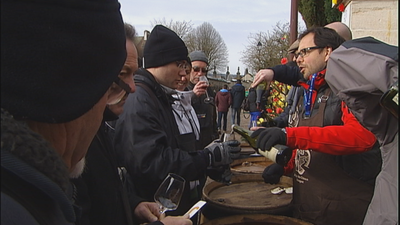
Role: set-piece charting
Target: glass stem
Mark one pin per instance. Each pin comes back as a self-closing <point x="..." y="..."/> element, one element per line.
<point x="162" y="209"/>
<point x="207" y="95"/>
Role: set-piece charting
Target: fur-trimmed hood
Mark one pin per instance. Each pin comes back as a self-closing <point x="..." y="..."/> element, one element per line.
<point x="30" y="147"/>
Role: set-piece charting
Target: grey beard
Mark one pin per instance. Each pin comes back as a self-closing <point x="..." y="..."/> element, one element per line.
<point x="78" y="169"/>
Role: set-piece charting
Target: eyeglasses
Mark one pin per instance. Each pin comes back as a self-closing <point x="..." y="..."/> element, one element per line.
<point x="118" y="90"/>
<point x="303" y="52"/>
<point x="183" y="65"/>
<point x="197" y="69"/>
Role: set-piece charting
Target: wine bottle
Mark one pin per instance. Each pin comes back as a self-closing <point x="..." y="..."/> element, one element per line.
<point x="390" y="100"/>
<point x="279" y="154"/>
<point x="246" y="134"/>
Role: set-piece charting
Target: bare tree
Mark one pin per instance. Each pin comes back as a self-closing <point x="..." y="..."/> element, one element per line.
<point x="266" y="49"/>
<point x="204" y="38"/>
<point x="181" y="28"/>
<point x="208" y="40"/>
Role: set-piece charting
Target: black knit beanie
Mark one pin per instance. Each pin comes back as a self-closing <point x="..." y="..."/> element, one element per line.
<point x="162" y="47"/>
<point x="58" y="57"/>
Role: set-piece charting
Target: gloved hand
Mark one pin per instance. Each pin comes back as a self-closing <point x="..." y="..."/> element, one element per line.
<point x="268" y="137"/>
<point x="220" y="174"/>
<point x="273" y="173"/>
<point x="221" y="153"/>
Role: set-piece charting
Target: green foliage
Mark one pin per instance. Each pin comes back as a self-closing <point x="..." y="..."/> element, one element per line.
<point x="318" y="12"/>
<point x="332" y="14"/>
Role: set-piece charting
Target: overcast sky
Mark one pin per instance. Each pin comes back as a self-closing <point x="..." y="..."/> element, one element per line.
<point x="234" y="20"/>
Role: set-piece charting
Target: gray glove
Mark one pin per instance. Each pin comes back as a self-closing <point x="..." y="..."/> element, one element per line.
<point x="221" y="153"/>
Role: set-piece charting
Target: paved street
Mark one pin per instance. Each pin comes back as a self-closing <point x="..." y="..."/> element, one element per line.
<point x="244" y="120"/>
<point x="244" y="123"/>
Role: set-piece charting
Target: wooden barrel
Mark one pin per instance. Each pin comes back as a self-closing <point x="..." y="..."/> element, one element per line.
<point x="256" y="219"/>
<point x="250" y="165"/>
<point x="248" y="194"/>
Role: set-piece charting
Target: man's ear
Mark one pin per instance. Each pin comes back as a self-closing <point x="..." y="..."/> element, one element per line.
<point x="328" y="52"/>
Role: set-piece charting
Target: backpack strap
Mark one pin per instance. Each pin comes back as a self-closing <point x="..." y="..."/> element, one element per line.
<point x="148" y="90"/>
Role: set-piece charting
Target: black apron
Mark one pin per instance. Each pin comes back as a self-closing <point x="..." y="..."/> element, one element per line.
<point x="323" y="192"/>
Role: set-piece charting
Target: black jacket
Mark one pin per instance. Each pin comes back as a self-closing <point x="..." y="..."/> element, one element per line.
<point x="207" y="115"/>
<point x="252" y="100"/>
<point x="238" y="94"/>
<point x="100" y="192"/>
<point x="148" y="141"/>
<point x="287" y="74"/>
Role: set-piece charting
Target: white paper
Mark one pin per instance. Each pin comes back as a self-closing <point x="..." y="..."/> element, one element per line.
<point x="192" y="211"/>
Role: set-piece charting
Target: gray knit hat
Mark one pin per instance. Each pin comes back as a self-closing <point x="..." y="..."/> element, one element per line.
<point x="198" y="56"/>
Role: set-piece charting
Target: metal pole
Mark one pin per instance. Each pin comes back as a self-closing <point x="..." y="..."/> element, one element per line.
<point x="293" y="23"/>
<point x="259" y="45"/>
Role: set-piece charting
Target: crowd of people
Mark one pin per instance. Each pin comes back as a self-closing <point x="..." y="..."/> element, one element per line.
<point x="88" y="133"/>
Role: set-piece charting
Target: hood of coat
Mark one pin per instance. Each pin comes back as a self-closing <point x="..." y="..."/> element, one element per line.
<point x="237" y="87"/>
<point x="359" y="72"/>
<point x="224" y="93"/>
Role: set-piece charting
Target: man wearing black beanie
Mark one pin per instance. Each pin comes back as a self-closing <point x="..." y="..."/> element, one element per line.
<point x="58" y="61"/>
<point x="147" y="137"/>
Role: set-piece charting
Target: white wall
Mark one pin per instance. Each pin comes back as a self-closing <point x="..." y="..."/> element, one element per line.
<point x="376" y="18"/>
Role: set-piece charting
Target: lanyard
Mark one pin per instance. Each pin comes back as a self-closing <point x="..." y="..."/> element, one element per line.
<point x="308" y="97"/>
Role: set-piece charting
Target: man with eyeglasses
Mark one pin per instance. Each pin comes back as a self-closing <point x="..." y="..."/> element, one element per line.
<point x="289" y="74"/>
<point x="147" y="136"/>
<point x="206" y="111"/>
<point x="104" y="190"/>
<point x="333" y="168"/>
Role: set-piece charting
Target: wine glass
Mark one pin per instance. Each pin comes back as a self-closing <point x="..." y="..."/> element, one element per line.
<point x="169" y="193"/>
<point x="208" y="99"/>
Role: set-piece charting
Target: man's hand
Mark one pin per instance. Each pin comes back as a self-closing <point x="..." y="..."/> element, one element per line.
<point x="272" y="174"/>
<point x="261" y="76"/>
<point x="177" y="220"/>
<point x="221" y="153"/>
<point x="147" y="212"/>
<point x="268" y="137"/>
<point x="200" y="88"/>
<point x="222" y="174"/>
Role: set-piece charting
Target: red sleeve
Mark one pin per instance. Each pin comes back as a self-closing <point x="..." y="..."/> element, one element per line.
<point x="349" y="138"/>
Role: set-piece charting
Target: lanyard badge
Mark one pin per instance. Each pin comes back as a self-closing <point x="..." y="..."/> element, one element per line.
<point x="308" y="97"/>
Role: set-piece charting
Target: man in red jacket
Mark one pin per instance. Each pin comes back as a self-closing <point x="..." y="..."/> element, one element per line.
<point x="330" y="168"/>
